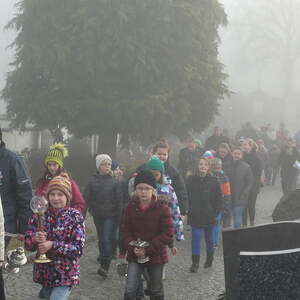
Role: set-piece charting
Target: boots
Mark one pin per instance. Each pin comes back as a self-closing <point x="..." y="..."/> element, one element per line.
<point x="195" y="263"/>
<point x="209" y="259"/>
<point x="103" y="269"/>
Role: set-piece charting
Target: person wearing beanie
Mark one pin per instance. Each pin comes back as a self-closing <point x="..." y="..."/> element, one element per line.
<point x="162" y="151"/>
<point x="205" y="198"/>
<point x="62" y="241"/>
<point x="209" y="154"/>
<point x="166" y="193"/>
<point x="54" y="166"/>
<point x="104" y="196"/>
<point x="15" y="193"/>
<point x="149" y="220"/>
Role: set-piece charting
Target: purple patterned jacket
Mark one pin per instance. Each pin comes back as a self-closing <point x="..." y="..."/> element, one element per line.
<point x="65" y="228"/>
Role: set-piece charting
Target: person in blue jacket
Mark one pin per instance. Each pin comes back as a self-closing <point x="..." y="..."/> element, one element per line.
<point x="15" y="195"/>
<point x="15" y="190"/>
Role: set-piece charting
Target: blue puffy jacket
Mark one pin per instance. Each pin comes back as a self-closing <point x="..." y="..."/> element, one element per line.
<point x="15" y="190"/>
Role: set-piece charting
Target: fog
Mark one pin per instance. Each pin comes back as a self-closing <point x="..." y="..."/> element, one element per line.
<point x="260" y="49"/>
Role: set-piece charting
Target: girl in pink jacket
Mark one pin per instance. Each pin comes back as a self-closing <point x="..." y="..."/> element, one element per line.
<point x="54" y="167"/>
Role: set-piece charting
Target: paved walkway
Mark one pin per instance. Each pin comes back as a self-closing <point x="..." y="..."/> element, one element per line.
<point x="179" y="285"/>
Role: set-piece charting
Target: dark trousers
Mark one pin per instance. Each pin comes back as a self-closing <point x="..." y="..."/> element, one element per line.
<point x="275" y="172"/>
<point x="153" y="276"/>
<point x="289" y="182"/>
<point x="268" y="174"/>
<point x="2" y="289"/>
<point x="106" y="228"/>
<point x="250" y="209"/>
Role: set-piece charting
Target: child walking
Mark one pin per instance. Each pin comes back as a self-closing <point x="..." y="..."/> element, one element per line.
<point x="205" y="198"/>
<point x="62" y="240"/>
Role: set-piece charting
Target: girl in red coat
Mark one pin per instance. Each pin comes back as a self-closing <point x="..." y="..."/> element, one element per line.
<point x="149" y="220"/>
<point x="54" y="167"/>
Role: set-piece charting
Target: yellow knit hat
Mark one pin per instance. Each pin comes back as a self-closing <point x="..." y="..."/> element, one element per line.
<point x="57" y="153"/>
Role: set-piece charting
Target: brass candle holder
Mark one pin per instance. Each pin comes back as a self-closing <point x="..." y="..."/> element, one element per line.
<point x="39" y="205"/>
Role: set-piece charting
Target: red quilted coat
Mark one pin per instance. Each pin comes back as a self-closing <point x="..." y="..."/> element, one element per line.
<point x="153" y="225"/>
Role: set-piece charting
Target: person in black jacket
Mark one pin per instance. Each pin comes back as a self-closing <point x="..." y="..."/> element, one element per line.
<point x="15" y="189"/>
<point x="289" y="174"/>
<point x="162" y="151"/>
<point x="213" y="141"/>
<point x="188" y="157"/>
<point x="104" y="198"/>
<point x="241" y="181"/>
<point x="16" y="193"/>
<point x="205" y="204"/>
<point x="251" y="158"/>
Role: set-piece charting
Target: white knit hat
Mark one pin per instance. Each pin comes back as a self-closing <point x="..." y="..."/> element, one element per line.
<point x="100" y="158"/>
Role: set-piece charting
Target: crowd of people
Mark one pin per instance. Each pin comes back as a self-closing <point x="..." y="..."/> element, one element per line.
<point x="215" y="186"/>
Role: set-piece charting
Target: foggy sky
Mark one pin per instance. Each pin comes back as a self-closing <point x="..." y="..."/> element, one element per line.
<point x="244" y="76"/>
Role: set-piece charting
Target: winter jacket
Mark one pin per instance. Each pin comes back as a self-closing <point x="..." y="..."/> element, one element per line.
<point x="213" y="142"/>
<point x="241" y="181"/>
<point x="205" y="200"/>
<point x="274" y="154"/>
<point x="288" y="208"/>
<point x="166" y="193"/>
<point x="264" y="158"/>
<point x="286" y="162"/>
<point x="177" y="183"/>
<point x="2" y="243"/>
<point x="15" y="190"/>
<point x="77" y="201"/>
<point x="187" y="160"/>
<point x="256" y="166"/>
<point x="65" y="228"/>
<point x="153" y="225"/>
<point x="226" y="159"/>
<point x="225" y="188"/>
<point x="104" y="196"/>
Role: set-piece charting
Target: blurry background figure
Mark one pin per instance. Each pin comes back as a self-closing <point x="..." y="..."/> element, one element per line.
<point x="282" y="135"/>
<point x="224" y="152"/>
<point x="188" y="157"/>
<point x="289" y="155"/>
<point x="251" y="158"/>
<point x="273" y="164"/>
<point x="213" y="141"/>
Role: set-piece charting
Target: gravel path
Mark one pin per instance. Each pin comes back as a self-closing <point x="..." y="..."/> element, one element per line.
<point x="179" y="284"/>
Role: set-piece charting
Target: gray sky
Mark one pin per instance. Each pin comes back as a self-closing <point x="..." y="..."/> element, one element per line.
<point x="244" y="76"/>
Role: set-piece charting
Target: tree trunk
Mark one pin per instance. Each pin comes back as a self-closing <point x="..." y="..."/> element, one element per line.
<point x="108" y="144"/>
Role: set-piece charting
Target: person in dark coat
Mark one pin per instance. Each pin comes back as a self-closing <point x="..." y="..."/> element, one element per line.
<point x="104" y="197"/>
<point x="162" y="151"/>
<point x="188" y="157"/>
<point x="241" y="181"/>
<point x="274" y="154"/>
<point x="213" y="141"/>
<point x="289" y="174"/>
<point x="15" y="189"/>
<point x="251" y="158"/>
<point x="15" y="195"/>
<point x="149" y="220"/>
<point x="205" y="204"/>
